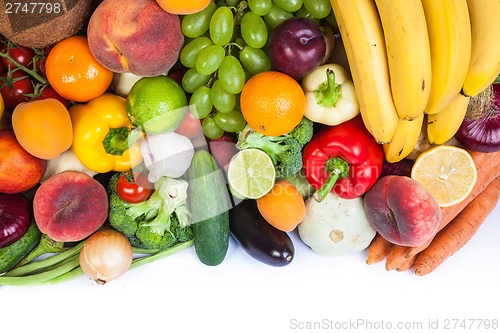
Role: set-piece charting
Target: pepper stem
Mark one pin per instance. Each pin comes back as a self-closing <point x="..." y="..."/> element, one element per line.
<point x="118" y="140"/>
<point x="329" y="92"/>
<point x="337" y="168"/>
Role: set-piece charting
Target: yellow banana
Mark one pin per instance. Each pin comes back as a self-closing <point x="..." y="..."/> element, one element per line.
<point x="404" y="140"/>
<point x="485" y="54"/>
<point x="449" y="30"/>
<point x="363" y="39"/>
<point x="442" y="126"/>
<point x="409" y="55"/>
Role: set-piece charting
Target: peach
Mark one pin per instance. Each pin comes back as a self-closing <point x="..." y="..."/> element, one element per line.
<point x="70" y="206"/>
<point x="402" y="211"/>
<point x="135" y="36"/>
<point x="19" y="170"/>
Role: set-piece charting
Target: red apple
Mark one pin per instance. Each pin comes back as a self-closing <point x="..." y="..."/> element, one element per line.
<point x="19" y="170"/>
<point x="402" y="211"/>
<point x="223" y="149"/>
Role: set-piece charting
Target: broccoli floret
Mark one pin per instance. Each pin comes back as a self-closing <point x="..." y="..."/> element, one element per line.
<point x="157" y="223"/>
<point x="303" y="132"/>
<point x="285" y="150"/>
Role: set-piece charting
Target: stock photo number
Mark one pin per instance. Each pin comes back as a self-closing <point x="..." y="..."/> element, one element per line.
<point x="33" y="7"/>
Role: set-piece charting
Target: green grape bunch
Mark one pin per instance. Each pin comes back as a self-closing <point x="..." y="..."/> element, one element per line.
<point x="225" y="45"/>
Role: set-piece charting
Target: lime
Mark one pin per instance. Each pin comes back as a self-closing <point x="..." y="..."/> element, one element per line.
<point x="157" y="104"/>
<point x="447" y="172"/>
<point x="251" y="173"/>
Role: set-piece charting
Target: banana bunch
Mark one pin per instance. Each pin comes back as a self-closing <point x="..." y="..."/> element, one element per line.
<point x="416" y="63"/>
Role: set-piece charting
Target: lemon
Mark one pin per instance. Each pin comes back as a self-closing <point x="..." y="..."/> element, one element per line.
<point x="157" y="104"/>
<point x="447" y="172"/>
<point x="251" y="173"/>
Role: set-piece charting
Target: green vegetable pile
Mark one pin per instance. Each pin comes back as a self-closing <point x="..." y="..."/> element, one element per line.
<point x="157" y="223"/>
<point x="285" y="150"/>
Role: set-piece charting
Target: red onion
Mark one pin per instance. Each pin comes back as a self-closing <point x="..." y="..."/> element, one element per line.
<point x="400" y="168"/>
<point x="15" y="217"/>
<point x="480" y="129"/>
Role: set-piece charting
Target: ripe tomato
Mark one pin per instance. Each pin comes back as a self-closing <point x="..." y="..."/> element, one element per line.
<point x="49" y="92"/>
<point x="21" y="54"/>
<point x="14" y="88"/>
<point x="41" y="58"/>
<point x="136" y="190"/>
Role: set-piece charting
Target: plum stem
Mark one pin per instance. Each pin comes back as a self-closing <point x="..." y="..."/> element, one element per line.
<point x="336" y="168"/>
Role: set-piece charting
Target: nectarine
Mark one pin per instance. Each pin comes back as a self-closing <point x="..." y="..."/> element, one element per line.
<point x="19" y="170"/>
<point x="135" y="36"/>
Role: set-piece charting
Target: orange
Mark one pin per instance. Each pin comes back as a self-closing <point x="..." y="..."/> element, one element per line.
<point x="283" y="207"/>
<point x="183" y="7"/>
<point x="272" y="103"/>
<point x="73" y="71"/>
<point x="43" y="127"/>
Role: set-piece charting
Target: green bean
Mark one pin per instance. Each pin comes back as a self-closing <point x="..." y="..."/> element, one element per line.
<point x="161" y="254"/>
<point x="38" y="278"/>
<point x="44" y="264"/>
<point x="72" y="274"/>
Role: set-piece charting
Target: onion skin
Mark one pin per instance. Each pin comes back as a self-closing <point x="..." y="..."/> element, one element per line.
<point x="106" y="255"/>
<point x="480" y="129"/>
<point x="15" y="217"/>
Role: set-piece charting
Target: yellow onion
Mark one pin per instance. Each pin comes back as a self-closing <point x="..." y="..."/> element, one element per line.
<point x="106" y="255"/>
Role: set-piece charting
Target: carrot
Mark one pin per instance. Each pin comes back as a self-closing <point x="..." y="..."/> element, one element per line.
<point x="396" y="257"/>
<point x="488" y="168"/>
<point x="459" y="231"/>
<point x="378" y="250"/>
<point x="406" y="264"/>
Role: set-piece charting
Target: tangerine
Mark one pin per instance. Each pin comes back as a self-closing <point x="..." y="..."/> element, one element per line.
<point x="73" y="71"/>
<point x="283" y="207"/>
<point x="272" y="103"/>
<point x="182" y="7"/>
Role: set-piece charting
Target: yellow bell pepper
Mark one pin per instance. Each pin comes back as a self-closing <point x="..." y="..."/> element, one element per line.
<point x="330" y="95"/>
<point x="101" y="135"/>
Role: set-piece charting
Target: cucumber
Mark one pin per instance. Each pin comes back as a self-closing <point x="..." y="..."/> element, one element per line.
<point x="12" y="254"/>
<point x="209" y="204"/>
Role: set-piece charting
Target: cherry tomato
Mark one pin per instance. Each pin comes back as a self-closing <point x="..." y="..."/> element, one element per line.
<point x="21" y="54"/>
<point x="40" y="59"/>
<point x="49" y="92"/>
<point x="137" y="190"/>
<point x="190" y="126"/>
<point x="15" y="93"/>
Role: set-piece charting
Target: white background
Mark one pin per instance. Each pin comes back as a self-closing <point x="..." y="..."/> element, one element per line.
<point x="179" y="294"/>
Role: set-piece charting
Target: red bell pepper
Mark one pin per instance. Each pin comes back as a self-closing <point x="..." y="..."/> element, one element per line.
<point x="344" y="158"/>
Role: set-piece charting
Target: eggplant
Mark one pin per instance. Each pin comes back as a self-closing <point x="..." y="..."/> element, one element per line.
<point x="15" y="217"/>
<point x="257" y="237"/>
